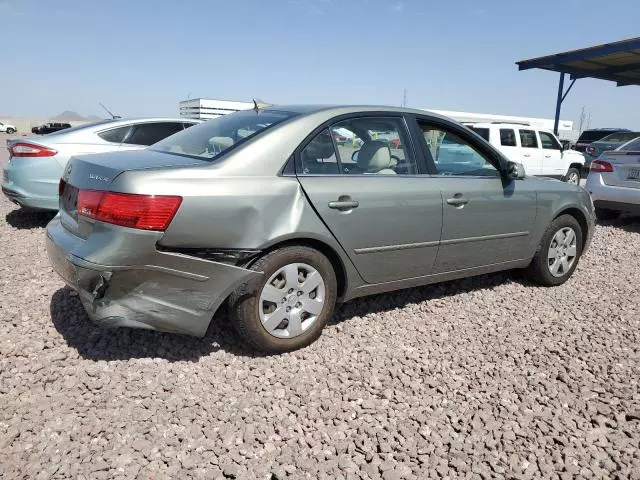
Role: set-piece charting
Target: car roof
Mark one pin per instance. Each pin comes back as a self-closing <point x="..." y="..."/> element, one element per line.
<point x="503" y="124"/>
<point x="335" y="110"/>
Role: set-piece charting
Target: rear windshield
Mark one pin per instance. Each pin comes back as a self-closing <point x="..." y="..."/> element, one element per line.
<point x="208" y="140"/>
<point x="593" y="135"/>
<point x="632" y="146"/>
<point x="620" y="137"/>
<point x="483" y="132"/>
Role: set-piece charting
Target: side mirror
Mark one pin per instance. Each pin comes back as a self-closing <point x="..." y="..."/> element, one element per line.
<point x="354" y="156"/>
<point x="515" y="171"/>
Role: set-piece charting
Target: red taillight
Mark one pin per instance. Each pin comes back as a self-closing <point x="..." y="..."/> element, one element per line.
<point x="147" y="212"/>
<point x="23" y="149"/>
<point x="600" y="166"/>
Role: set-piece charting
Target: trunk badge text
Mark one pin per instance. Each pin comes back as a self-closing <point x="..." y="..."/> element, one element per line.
<point x="93" y="176"/>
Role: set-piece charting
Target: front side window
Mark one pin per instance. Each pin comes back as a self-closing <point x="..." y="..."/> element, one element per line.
<point x="360" y="146"/>
<point x="549" y="142"/>
<point x="453" y="155"/>
<point x="507" y="137"/>
<point x="209" y="140"/>
<point x="528" y="139"/>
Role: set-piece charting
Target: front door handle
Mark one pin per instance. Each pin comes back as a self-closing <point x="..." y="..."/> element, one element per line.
<point x="457" y="200"/>
<point x="547" y="156"/>
<point x="344" y="203"/>
<point x="527" y="154"/>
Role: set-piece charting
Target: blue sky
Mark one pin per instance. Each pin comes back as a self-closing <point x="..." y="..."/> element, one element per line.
<point x="141" y="57"/>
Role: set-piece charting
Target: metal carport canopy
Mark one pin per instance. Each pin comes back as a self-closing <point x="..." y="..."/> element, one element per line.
<point x="616" y="62"/>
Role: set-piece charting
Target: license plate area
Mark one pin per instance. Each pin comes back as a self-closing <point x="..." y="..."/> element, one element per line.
<point x="70" y="199"/>
<point x="634" y="174"/>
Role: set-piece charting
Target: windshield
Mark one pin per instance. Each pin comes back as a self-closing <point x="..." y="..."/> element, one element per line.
<point x="620" y="137"/>
<point x="592" y="136"/>
<point x="208" y="140"/>
<point x="632" y="146"/>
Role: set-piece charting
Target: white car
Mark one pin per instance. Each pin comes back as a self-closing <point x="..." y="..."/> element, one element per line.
<point x="6" y="128"/>
<point x="539" y="151"/>
<point x="614" y="181"/>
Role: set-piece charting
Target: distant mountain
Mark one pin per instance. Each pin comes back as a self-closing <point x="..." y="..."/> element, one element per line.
<point x="69" y="116"/>
<point x="94" y="118"/>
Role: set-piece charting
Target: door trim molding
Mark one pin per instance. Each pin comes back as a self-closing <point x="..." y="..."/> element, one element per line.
<point x="389" y="248"/>
<point x="453" y="241"/>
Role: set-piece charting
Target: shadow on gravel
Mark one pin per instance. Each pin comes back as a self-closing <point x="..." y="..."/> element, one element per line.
<point x="96" y="343"/>
<point x="627" y="223"/>
<point x="401" y="298"/>
<point x="26" y="219"/>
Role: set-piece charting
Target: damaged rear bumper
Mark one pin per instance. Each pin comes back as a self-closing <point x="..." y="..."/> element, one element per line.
<point x="156" y="290"/>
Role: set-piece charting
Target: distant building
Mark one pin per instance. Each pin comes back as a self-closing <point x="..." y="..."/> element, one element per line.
<point x="204" y="108"/>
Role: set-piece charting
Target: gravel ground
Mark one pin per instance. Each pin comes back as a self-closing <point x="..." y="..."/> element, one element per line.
<point x="488" y="377"/>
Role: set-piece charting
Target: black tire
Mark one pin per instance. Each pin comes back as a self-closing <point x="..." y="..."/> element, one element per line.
<point x="538" y="270"/>
<point x="244" y="302"/>
<point x="604" y="215"/>
<point x="573" y="173"/>
<point x="10" y="131"/>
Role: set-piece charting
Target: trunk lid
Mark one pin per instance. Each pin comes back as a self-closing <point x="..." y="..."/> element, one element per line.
<point x="97" y="172"/>
<point x="626" y="169"/>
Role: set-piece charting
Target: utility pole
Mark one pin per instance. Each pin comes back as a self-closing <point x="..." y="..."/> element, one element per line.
<point x="582" y="119"/>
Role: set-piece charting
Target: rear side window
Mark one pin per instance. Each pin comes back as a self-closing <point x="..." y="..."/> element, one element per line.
<point x="115" y="135"/>
<point x="187" y="125"/>
<point x="528" y="139"/>
<point x="319" y="156"/>
<point x="150" y="133"/>
<point x="483" y="132"/>
<point x="507" y="137"/>
<point x="633" y="146"/>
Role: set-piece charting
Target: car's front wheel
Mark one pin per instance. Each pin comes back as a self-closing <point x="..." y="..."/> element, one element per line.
<point x="558" y="254"/>
<point x="10" y="130"/>
<point x="572" y="176"/>
<point x="287" y="308"/>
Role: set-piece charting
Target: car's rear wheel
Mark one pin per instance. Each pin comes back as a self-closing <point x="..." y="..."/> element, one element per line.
<point x="287" y="308"/>
<point x="572" y="176"/>
<point x="558" y="254"/>
<point x="10" y="130"/>
<point x="605" y="215"/>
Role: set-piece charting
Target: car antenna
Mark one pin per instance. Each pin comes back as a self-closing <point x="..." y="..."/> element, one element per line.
<point x="259" y="104"/>
<point x="115" y="117"/>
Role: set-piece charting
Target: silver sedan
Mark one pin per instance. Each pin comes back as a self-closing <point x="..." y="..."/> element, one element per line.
<point x="285" y="211"/>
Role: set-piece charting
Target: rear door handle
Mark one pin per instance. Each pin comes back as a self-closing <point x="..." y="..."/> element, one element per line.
<point x="547" y="156"/>
<point x="457" y="200"/>
<point x="344" y="203"/>
<point x="527" y="154"/>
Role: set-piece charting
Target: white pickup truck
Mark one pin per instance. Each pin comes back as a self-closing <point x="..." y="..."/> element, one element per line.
<point x="539" y="151"/>
<point x="6" y="128"/>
